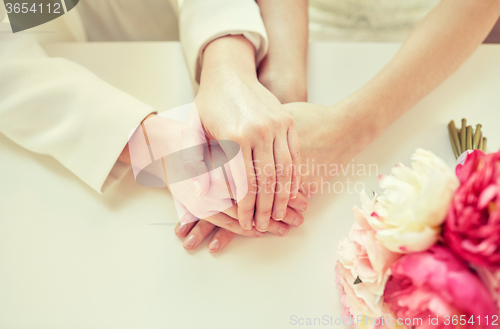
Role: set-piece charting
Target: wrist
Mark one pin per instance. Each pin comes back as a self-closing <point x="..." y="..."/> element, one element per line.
<point x="287" y="82"/>
<point x="287" y="87"/>
<point x="367" y="114"/>
<point x="229" y="56"/>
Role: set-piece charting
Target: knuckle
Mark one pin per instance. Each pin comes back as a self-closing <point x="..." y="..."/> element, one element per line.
<point x="264" y="212"/>
<point x="267" y="181"/>
<point x="282" y="199"/>
<point x="262" y="130"/>
<point x="295" y="155"/>
<point x="231" y="224"/>
<point x="288" y="121"/>
<point x="252" y="187"/>
<point x="278" y="124"/>
<point x="204" y="225"/>
<point x="285" y="170"/>
<point x="236" y="136"/>
<point x="246" y="210"/>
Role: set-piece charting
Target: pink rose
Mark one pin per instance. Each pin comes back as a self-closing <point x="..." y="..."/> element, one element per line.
<point x="472" y="228"/>
<point x="437" y="283"/>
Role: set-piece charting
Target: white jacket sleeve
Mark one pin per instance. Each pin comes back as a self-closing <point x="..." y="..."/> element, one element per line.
<point x="201" y="21"/>
<point x="56" y="107"/>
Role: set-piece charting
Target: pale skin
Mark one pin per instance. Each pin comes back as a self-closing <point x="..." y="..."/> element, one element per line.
<point x="225" y="220"/>
<point x="434" y="50"/>
<point x="234" y="105"/>
<point x="230" y="97"/>
<point x="286" y="23"/>
<point x="284" y="70"/>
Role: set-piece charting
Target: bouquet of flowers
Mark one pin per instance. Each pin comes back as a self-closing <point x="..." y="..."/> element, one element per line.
<point x="425" y="253"/>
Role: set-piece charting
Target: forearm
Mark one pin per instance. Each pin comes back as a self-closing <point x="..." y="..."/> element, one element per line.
<point x="286" y="23"/>
<point x="228" y="55"/>
<point x="433" y="51"/>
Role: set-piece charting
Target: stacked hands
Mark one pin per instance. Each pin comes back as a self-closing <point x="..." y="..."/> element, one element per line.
<point x="269" y="182"/>
<point x="233" y="105"/>
<point x="263" y="187"/>
<point x="269" y="179"/>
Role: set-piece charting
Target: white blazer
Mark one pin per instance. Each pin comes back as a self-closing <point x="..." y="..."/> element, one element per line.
<point x="56" y="107"/>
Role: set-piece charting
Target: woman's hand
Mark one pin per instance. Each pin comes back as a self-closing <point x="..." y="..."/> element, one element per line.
<point x="233" y="105"/>
<point x="331" y="136"/>
<point x="328" y="135"/>
<point x="226" y="227"/>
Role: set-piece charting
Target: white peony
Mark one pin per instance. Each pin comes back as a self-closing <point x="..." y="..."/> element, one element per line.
<point x="408" y="215"/>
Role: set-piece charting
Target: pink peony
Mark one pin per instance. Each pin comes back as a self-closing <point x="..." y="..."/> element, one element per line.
<point x="491" y="278"/>
<point x="437" y="283"/>
<point x="472" y="228"/>
<point x="348" y="311"/>
<point x="354" y="317"/>
<point x="363" y="258"/>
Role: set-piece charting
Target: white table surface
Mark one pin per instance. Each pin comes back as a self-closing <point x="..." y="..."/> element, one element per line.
<point x="70" y="258"/>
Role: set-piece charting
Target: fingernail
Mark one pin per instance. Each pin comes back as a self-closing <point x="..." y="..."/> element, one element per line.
<point x="214" y="245"/>
<point x="248" y="226"/>
<point x="197" y="187"/>
<point x="279" y="215"/>
<point x="259" y="234"/>
<point x="182" y="228"/>
<point x="303" y="207"/>
<point x="297" y="222"/>
<point x="283" y="230"/>
<point x="263" y="227"/>
<point x="190" y="241"/>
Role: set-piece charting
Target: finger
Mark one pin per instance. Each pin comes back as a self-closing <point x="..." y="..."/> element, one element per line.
<point x="293" y="218"/>
<point x="193" y="143"/>
<point x="294" y="149"/>
<point x="220" y="240"/>
<point x="299" y="203"/>
<point x="198" y="233"/>
<point x="231" y="224"/>
<point x="182" y="230"/>
<point x="266" y="179"/>
<point x="232" y="212"/>
<point x="283" y="176"/>
<point x="246" y="183"/>
<point x="278" y="228"/>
